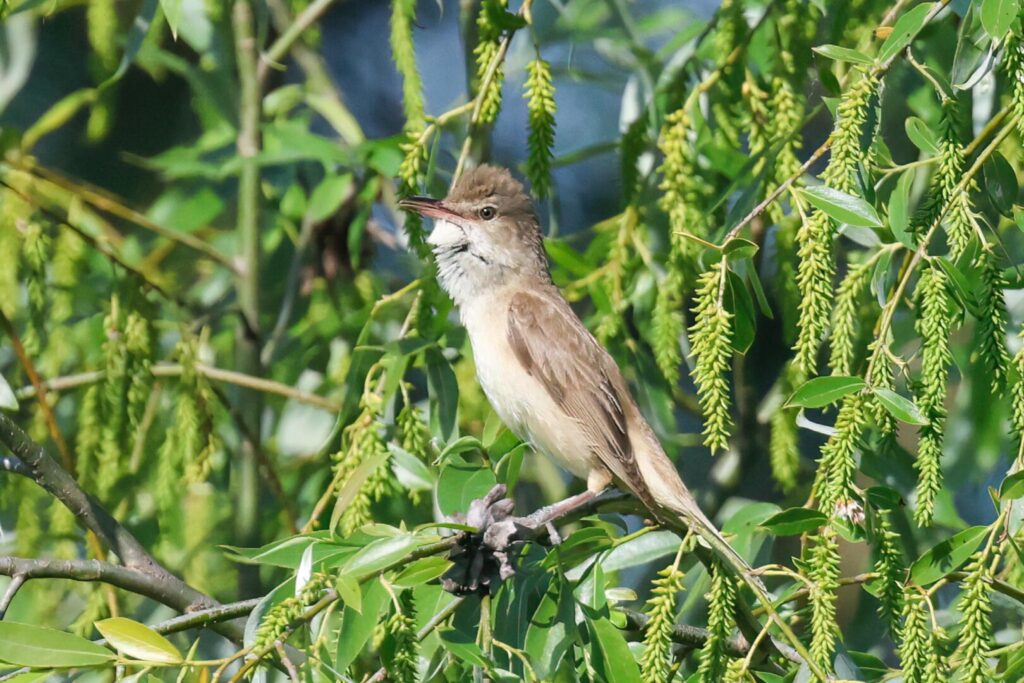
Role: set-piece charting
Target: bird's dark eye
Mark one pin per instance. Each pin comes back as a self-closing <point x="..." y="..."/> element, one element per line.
<point x="487" y="213"/>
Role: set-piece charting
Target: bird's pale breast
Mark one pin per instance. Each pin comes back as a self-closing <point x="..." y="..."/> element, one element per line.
<point x="519" y="399"/>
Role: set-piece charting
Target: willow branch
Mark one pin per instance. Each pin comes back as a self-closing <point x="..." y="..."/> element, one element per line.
<point x="9" y="463"/>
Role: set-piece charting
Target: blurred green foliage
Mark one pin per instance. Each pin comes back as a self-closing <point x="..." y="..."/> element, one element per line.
<point x="812" y="270"/>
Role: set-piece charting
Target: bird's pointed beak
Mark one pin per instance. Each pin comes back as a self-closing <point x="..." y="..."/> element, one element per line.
<point x="427" y="206"/>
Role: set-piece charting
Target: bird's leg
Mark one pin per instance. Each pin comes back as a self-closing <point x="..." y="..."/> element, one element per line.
<point x="545" y="515"/>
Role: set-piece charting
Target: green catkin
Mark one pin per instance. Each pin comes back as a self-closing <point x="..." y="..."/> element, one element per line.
<point x="786" y="289"/>
<point x="933" y="325"/>
<point x="541" y="108"/>
<point x="403" y="18"/>
<point x="632" y="145"/>
<point x="948" y="175"/>
<point x="281" y="616"/>
<point x="362" y="441"/>
<point x="880" y="376"/>
<point x="710" y="338"/>
<point x="403" y="663"/>
<point x="103" y="26"/>
<point x="88" y="436"/>
<point x="730" y="34"/>
<point x="66" y="273"/>
<point x="129" y="350"/>
<point x="667" y="326"/>
<point x="721" y="607"/>
<point x="94" y="610"/>
<point x="783" y="440"/>
<point x="783" y="448"/>
<point x="975" y="624"/>
<point x="1017" y="388"/>
<point x="833" y="485"/>
<point x="918" y="648"/>
<point x="487" y="48"/>
<point x="823" y="574"/>
<point x="684" y="194"/>
<point x="1013" y="66"/>
<point x="891" y="571"/>
<point x="656" y="662"/>
<point x="36" y="254"/>
<point x="846" y="318"/>
<point x="736" y="672"/>
<point x="991" y="347"/>
<point x="413" y="436"/>
<point x="815" y="237"/>
<point x="410" y="172"/>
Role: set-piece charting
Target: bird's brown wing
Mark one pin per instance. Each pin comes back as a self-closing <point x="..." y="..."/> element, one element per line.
<point x="554" y="347"/>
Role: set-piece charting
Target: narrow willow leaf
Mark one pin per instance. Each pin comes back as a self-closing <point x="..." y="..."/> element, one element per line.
<point x="843" y="207"/>
<point x="37" y="646"/>
<point x="795" y="521"/>
<point x="946" y="556"/>
<point x="904" y="30"/>
<point x="138" y="641"/>
<point x="821" y="391"/>
<point x="921" y="135"/>
<point x="903" y="409"/>
<point x="843" y="54"/>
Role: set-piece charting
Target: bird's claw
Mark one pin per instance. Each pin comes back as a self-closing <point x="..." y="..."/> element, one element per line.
<point x="485" y="558"/>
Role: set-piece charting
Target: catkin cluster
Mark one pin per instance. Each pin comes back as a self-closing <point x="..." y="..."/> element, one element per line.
<point x="710" y="342"/>
<point x="487" y="48"/>
<point x="721" y="610"/>
<point x="816" y="235"/>
<point x="279" y="618"/>
<point x="933" y="324"/>
<point x="362" y="442"/>
<point x="540" y="105"/>
<point x="656" y="662"/>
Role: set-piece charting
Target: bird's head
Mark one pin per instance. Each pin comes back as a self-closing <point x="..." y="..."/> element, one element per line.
<point x="485" y="234"/>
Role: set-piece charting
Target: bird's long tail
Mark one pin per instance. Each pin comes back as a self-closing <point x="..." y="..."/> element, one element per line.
<point x="694" y="519"/>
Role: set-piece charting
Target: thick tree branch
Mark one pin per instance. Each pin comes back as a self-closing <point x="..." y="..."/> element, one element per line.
<point x="9" y="463"/>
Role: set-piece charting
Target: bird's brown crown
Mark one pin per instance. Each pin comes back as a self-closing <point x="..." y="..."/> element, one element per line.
<point x="494" y="185"/>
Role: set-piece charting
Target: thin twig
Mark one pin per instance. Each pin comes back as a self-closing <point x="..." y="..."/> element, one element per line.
<point x="17" y="581"/>
<point x="283" y="45"/>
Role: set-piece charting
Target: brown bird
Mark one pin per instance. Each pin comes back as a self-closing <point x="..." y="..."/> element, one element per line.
<point x="544" y="373"/>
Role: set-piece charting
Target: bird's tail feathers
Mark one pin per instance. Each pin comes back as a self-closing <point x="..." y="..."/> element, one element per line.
<point x="696" y="521"/>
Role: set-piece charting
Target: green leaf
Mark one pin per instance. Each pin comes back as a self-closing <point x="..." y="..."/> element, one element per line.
<point x="843" y="54"/>
<point x="903" y="409"/>
<point x="1012" y="487"/>
<point x="460" y="483"/>
<point x="614" y="660"/>
<point x="997" y="16"/>
<point x="411" y="472"/>
<point x="795" y="521"/>
<point x="328" y="196"/>
<point x="41" y="647"/>
<point x="138" y="641"/>
<point x="137" y="34"/>
<point x="961" y="286"/>
<point x="421" y="571"/>
<point x="172" y="12"/>
<point x="8" y="401"/>
<point x="921" y="135"/>
<point x="463" y="647"/>
<point x="1001" y="183"/>
<point x="444" y="392"/>
<point x="552" y="630"/>
<point x="354" y="484"/>
<point x="904" y="31"/>
<point x="739" y="248"/>
<point x="744" y="317"/>
<point x="899" y="210"/>
<point x="821" y="391"/>
<point x="358" y="625"/>
<point x="842" y="207"/>
<point x="378" y="555"/>
<point x="349" y="592"/>
<point x="947" y="556"/>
